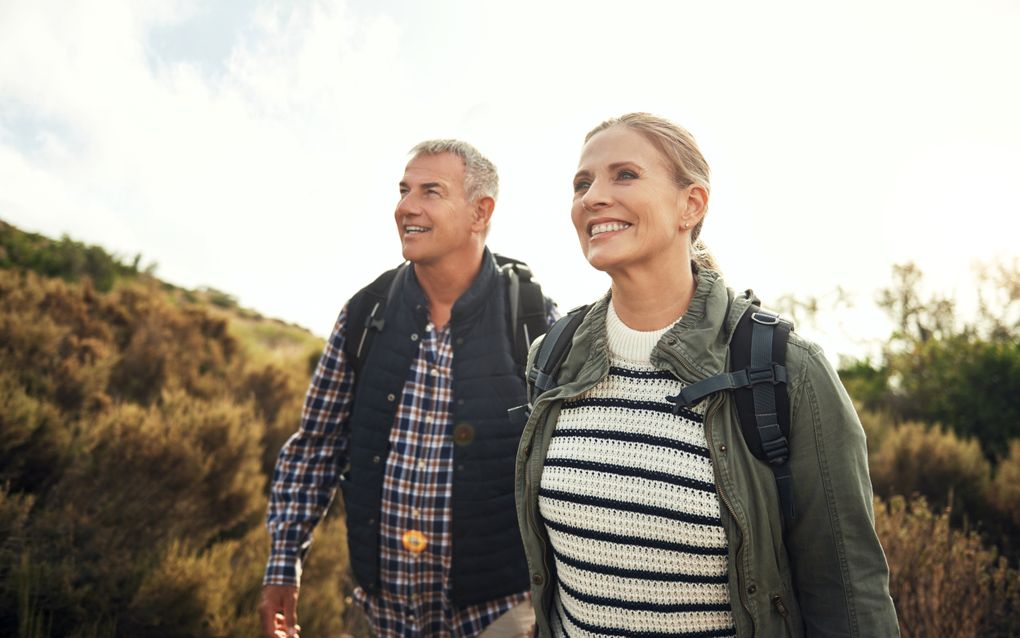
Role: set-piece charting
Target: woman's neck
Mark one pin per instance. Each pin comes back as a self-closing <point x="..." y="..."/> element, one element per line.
<point x="654" y="299"/>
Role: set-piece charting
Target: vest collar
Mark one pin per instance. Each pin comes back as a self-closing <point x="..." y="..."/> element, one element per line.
<point x="471" y="303"/>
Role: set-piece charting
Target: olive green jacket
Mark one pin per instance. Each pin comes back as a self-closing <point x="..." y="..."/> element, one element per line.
<point x="829" y="577"/>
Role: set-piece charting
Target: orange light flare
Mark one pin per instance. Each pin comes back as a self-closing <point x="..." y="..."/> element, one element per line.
<point x="414" y="541"/>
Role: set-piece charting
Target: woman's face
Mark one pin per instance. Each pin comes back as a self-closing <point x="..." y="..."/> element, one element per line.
<point x="628" y="211"/>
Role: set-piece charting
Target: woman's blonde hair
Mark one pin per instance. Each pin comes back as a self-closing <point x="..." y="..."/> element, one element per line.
<point x="677" y="145"/>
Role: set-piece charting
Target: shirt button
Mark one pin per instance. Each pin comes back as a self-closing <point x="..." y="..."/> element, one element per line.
<point x="416" y="513"/>
<point x="430" y="326"/>
<point x="434" y="372"/>
<point x="421" y="465"/>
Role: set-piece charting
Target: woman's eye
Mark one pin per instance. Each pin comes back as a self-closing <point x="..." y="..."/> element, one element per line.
<point x="626" y="174"/>
<point x="581" y="185"/>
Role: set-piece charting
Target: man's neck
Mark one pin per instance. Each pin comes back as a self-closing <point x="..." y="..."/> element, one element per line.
<point x="444" y="281"/>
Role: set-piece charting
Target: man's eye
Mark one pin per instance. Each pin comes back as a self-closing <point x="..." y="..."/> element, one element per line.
<point x="581" y="185"/>
<point x="433" y="192"/>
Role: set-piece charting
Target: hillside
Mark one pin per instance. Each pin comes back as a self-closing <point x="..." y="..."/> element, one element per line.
<point x="139" y="423"/>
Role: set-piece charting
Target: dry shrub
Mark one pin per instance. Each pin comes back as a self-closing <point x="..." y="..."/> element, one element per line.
<point x="199" y="593"/>
<point x="915" y="459"/>
<point x="187" y="468"/>
<point x="165" y="347"/>
<point x="34" y="442"/>
<point x="877" y="426"/>
<point x="278" y="402"/>
<point x="944" y="581"/>
<point x="1005" y="490"/>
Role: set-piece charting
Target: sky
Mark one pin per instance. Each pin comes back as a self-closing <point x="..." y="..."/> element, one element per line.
<point x="256" y="147"/>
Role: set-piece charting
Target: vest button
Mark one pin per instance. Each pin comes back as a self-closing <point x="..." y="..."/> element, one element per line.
<point x="371" y="521"/>
<point x="722" y="448"/>
<point x="376" y="459"/>
<point x="463" y="434"/>
<point x="752" y="588"/>
<point x="391" y="397"/>
<point x="414" y="336"/>
<point x="537" y="579"/>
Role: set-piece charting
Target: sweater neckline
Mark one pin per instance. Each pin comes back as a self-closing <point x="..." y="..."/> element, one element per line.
<point x="628" y="344"/>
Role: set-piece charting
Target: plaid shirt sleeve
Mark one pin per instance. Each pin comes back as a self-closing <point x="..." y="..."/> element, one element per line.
<point x="309" y="466"/>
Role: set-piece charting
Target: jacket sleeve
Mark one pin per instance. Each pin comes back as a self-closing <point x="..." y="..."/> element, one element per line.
<point x="839" y="569"/>
<point x="309" y="465"/>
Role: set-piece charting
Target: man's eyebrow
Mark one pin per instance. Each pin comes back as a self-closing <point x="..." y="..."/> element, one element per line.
<point x="428" y="185"/>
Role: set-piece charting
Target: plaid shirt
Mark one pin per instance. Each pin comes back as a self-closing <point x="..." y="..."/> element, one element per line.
<point x="415" y="595"/>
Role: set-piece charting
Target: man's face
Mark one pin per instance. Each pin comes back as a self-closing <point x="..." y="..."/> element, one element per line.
<point x="434" y="217"/>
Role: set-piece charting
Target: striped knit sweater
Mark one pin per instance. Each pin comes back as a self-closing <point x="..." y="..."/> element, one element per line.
<point x="628" y="497"/>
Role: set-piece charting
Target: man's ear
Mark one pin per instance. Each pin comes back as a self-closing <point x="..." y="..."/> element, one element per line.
<point x="483" y="212"/>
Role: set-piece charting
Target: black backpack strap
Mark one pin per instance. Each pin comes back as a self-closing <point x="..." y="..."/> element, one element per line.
<point x="758" y="380"/>
<point x="365" y="317"/>
<point x="771" y="415"/>
<point x="553" y="352"/>
<point x="550" y="356"/>
<point x="527" y="306"/>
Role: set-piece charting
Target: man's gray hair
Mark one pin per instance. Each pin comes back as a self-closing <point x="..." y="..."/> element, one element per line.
<point x="480" y="178"/>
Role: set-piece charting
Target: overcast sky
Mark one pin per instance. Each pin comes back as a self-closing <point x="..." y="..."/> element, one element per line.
<point x="256" y="146"/>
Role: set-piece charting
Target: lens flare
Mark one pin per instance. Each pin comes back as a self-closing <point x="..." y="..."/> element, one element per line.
<point x="414" y="541"/>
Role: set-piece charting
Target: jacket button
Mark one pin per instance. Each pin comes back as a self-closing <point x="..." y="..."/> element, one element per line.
<point x="537" y="579"/>
<point x="752" y="588"/>
<point x="722" y="448"/>
<point x="391" y="397"/>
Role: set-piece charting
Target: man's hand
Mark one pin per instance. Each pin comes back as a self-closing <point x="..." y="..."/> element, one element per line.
<point x="278" y="611"/>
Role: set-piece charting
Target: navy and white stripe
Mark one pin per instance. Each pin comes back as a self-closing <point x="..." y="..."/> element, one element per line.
<point x="629" y="501"/>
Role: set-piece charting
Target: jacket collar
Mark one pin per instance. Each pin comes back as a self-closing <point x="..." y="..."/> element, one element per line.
<point x="695" y="348"/>
<point x="699" y="342"/>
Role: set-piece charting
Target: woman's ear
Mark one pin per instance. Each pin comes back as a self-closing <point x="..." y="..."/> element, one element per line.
<point x="694" y="203"/>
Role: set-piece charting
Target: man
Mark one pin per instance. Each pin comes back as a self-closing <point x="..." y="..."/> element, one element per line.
<point x="407" y="412"/>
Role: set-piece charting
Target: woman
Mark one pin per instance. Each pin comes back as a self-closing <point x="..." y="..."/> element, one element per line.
<point x="637" y="521"/>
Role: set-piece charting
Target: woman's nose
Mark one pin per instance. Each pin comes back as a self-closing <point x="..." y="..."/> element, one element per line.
<point x="595" y="197"/>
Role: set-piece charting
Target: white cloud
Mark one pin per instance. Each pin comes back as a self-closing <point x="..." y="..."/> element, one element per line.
<point x="841" y="139"/>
